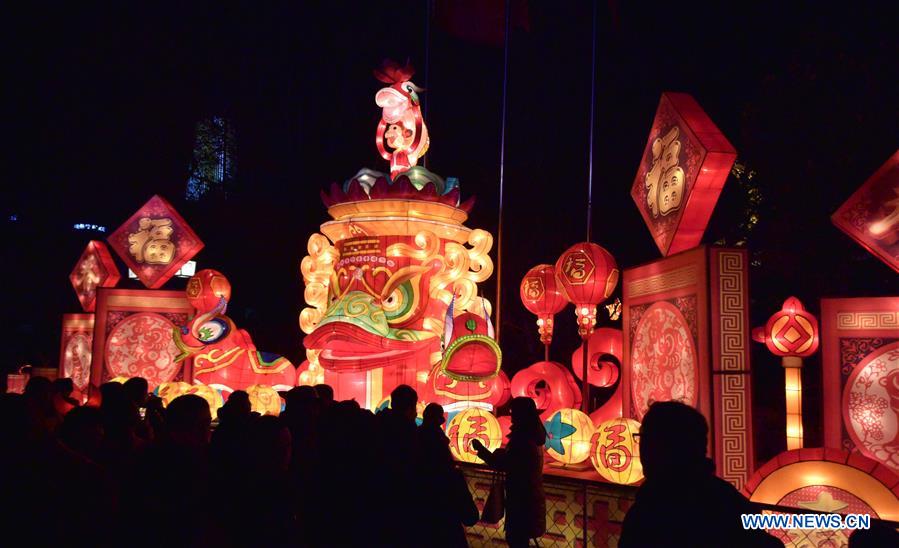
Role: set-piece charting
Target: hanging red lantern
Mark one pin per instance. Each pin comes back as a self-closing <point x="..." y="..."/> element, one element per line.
<point x="588" y="275"/>
<point x="544" y="297"/>
<point x="792" y="334"/>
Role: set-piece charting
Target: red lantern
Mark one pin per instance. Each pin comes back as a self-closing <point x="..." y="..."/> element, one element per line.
<point x="601" y="371"/>
<point x="588" y="275"/>
<point x="792" y="331"/>
<point x="207" y="288"/>
<point x="792" y="334"/>
<point x="544" y="297"/>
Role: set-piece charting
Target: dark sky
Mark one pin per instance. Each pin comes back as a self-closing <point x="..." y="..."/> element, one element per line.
<point x="102" y="103"/>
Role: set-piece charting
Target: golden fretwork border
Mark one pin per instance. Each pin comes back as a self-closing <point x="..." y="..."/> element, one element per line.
<point x="673" y="279"/>
<point x="879" y="319"/>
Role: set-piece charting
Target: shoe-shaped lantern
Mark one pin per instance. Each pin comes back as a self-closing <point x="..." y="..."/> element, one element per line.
<point x="224" y="356"/>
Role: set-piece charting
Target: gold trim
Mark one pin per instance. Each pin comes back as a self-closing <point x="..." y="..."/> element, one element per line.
<point x="666" y="281"/>
<point x="147" y="301"/>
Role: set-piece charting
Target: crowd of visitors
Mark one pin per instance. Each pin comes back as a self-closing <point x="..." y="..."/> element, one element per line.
<point x="131" y="472"/>
<point x="323" y="473"/>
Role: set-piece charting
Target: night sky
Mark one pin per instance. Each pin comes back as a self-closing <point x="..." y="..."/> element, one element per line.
<point x="102" y="104"/>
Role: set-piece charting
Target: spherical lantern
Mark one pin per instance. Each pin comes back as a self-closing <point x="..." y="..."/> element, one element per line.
<point x="568" y="435"/>
<point x="264" y="400"/>
<point x="588" y="275"/>
<point x="168" y="391"/>
<point x="473" y="424"/>
<point x="212" y="396"/>
<point x="615" y="451"/>
<point x="544" y="297"/>
<point x="207" y="289"/>
<point x="601" y="371"/>
<point x="549" y="384"/>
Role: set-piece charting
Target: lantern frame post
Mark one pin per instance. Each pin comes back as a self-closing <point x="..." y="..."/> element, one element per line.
<point x="585" y="386"/>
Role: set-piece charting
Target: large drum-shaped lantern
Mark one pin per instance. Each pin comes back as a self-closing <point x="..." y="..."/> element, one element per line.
<point x="588" y="274"/>
<point x="264" y="400"/>
<point x="615" y="451"/>
<point x="469" y="425"/>
<point x="568" y="436"/>
<point x="542" y="295"/>
<point x="207" y="288"/>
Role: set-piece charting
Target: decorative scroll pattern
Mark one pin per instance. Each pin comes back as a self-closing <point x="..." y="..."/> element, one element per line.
<point x="666" y="281"/>
<point x="880" y="319"/>
<point x="317" y="269"/>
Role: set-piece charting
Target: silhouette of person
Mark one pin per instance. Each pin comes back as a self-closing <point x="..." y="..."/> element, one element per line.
<point x="682" y="502"/>
<point x="325" y="395"/>
<point x="397" y="428"/>
<point x="63" y="401"/>
<point x="446" y="501"/>
<point x="522" y="461"/>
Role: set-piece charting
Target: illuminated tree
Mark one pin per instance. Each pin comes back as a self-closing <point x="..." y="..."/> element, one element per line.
<point x="212" y="166"/>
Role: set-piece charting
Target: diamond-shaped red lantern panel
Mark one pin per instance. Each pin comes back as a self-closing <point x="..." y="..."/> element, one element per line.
<point x="155" y="242"/>
<point x="792" y="331"/>
<point x="871" y="215"/>
<point x="684" y="167"/>
<point x="94" y="269"/>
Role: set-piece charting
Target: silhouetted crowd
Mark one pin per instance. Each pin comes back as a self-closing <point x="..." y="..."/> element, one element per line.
<point x="324" y="473"/>
<point x="131" y="472"/>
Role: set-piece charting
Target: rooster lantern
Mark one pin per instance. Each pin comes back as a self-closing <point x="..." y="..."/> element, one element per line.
<point x="224" y="357"/>
<point x="402" y="136"/>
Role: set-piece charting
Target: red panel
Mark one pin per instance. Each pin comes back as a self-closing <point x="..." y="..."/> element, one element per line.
<point x="811" y="453"/>
<point x="751" y="484"/>
<point x="871" y="215"/>
<point x="685" y="164"/>
<point x="863" y="463"/>
<point x="768" y="468"/>
<point x="155" y="242"/>
<point x="153" y="309"/>
<point x="94" y="269"/>
<point x="75" y="348"/>
<point x="787" y="457"/>
<point x="678" y="282"/>
<point x="835" y="455"/>
<point x="885" y="476"/>
<point x="857" y="337"/>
